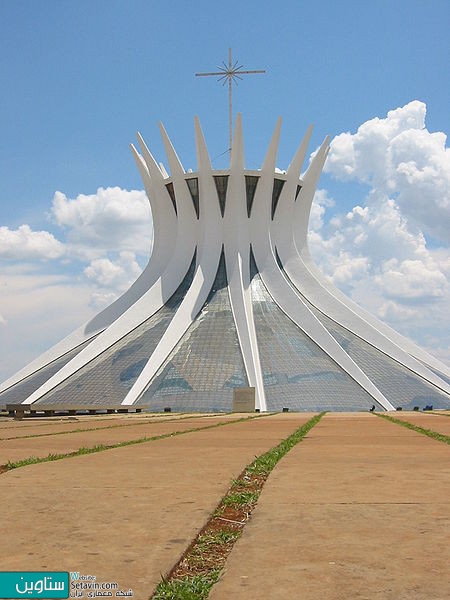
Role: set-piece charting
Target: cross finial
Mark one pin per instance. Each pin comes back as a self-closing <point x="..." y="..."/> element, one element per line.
<point x="229" y="73"/>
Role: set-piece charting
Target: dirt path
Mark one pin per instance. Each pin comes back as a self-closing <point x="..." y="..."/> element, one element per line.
<point x="37" y="426"/>
<point x="360" y="509"/>
<point x="126" y="515"/>
<point x="427" y="421"/>
<point x="18" y="449"/>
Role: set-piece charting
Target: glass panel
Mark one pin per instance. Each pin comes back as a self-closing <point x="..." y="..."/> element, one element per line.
<point x="276" y="191"/>
<point x="221" y="182"/>
<point x="251" y="182"/>
<point x="107" y="379"/>
<point x="24" y="388"/>
<point x="171" y="191"/>
<point x="297" y="373"/>
<point x="193" y="189"/>
<point x="207" y="364"/>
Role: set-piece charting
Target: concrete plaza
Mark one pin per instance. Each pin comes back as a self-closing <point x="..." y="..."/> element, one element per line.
<point x="358" y="509"/>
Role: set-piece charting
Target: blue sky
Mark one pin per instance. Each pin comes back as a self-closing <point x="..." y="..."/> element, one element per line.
<point x="78" y="80"/>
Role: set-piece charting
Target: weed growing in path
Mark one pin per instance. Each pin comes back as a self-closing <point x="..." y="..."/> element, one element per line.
<point x="190" y="588"/>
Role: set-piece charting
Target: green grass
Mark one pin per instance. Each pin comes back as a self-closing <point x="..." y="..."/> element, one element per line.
<point x="202" y="554"/>
<point x="206" y="541"/>
<point x="440" y="437"/>
<point x="221" y="537"/>
<point x="32" y="460"/>
<point x="189" y="588"/>
<point x="240" y="498"/>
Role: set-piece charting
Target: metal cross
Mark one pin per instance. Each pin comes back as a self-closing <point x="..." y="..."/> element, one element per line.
<point x="231" y="73"/>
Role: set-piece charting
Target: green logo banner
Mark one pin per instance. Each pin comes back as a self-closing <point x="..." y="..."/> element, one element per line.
<point x="34" y="584"/>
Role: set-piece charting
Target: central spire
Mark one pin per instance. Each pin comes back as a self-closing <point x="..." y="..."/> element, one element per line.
<point x="229" y="73"/>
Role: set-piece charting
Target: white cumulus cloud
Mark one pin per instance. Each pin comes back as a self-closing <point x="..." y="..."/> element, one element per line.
<point x="113" y="219"/>
<point x="401" y="159"/>
<point x="25" y="244"/>
<point x="110" y="277"/>
<point x="378" y="252"/>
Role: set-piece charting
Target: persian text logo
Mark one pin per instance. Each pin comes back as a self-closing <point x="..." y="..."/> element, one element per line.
<point x="34" y="584"/>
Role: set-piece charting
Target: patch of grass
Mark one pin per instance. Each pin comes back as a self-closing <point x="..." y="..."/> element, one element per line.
<point x="189" y="588"/>
<point x="240" y="483"/>
<point x="224" y="536"/>
<point x="203" y="554"/>
<point x="32" y="460"/>
<point x="242" y="498"/>
<point x="440" y="437"/>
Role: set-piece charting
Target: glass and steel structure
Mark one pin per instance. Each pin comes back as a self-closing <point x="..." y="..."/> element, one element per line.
<point x="231" y="299"/>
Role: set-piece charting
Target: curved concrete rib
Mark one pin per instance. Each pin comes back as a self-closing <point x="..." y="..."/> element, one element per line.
<point x="163" y="219"/>
<point x="237" y="255"/>
<point x="162" y="249"/>
<point x="303" y="209"/>
<point x="185" y="211"/>
<point x="305" y="276"/>
<point x="159" y="256"/>
<point x="147" y="305"/>
<point x="163" y="213"/>
<point x="280" y="289"/>
<point x="209" y="250"/>
<point x="305" y="282"/>
<point x="402" y="342"/>
<point x="69" y="343"/>
<point x="284" y="213"/>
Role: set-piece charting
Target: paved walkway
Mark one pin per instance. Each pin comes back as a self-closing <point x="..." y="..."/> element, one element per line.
<point x="427" y="421"/>
<point x="359" y="509"/>
<point x="33" y="426"/>
<point x="17" y="449"/>
<point x="126" y="515"/>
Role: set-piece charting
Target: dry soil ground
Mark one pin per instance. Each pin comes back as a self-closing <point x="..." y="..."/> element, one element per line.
<point x="359" y="509"/>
